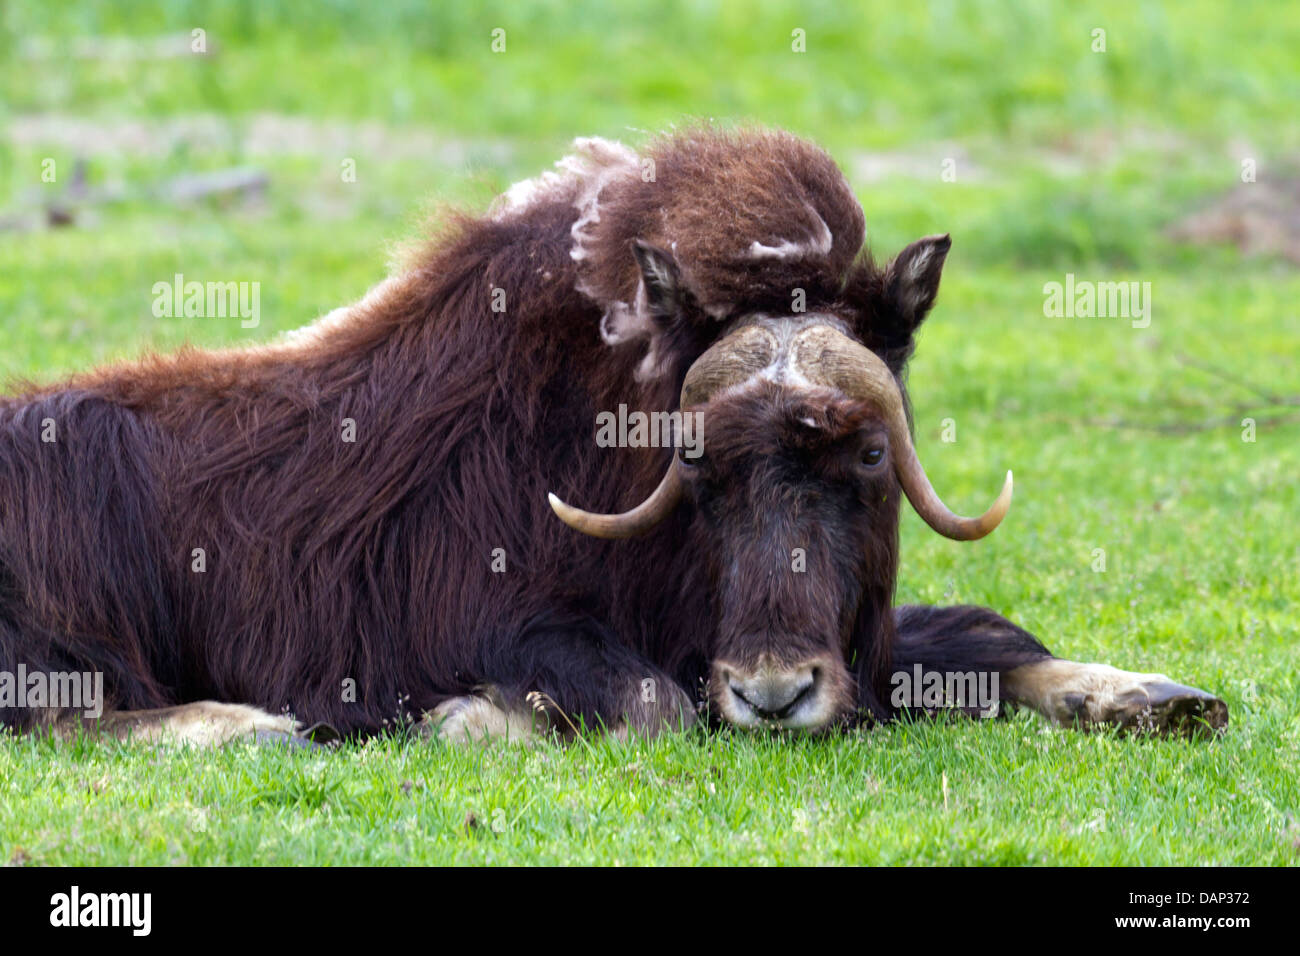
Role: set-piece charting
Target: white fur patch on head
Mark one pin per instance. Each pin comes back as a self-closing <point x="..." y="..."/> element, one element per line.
<point x="595" y="163"/>
<point x="820" y="243"/>
<point x="524" y="194"/>
<point x="623" y="323"/>
<point x="580" y="178"/>
<point x="583" y="173"/>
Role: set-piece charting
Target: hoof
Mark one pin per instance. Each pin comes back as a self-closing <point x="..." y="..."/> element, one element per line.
<point x="1168" y="709"/>
<point x="323" y="734"/>
<point x="1098" y="695"/>
<point x="477" y="718"/>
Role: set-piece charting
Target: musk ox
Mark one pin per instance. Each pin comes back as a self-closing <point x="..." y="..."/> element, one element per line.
<point x="351" y="526"/>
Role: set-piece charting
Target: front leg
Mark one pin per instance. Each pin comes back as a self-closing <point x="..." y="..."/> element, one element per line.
<point x="973" y="639"/>
<point x="562" y="674"/>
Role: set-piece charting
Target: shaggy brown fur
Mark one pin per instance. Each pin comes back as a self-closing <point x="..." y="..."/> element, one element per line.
<point x="378" y="563"/>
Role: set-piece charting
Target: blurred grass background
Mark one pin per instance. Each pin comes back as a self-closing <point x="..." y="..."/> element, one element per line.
<point x="1066" y="160"/>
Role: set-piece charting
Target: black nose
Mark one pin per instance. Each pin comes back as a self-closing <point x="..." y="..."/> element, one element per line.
<point x="774" y="695"/>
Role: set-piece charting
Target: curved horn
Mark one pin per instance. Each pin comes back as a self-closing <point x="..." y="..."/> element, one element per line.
<point x="828" y="357"/>
<point x="629" y="524"/>
<point x="727" y="362"/>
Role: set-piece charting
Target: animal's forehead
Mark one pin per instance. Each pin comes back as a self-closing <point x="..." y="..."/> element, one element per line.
<point x="763" y="417"/>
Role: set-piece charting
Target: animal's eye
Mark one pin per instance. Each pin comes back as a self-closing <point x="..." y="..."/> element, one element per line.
<point x="873" y="456"/>
<point x="690" y="456"/>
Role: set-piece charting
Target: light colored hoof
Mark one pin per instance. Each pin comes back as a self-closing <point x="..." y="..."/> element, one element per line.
<point x="477" y="719"/>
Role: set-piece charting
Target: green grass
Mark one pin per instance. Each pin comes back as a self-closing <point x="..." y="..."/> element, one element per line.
<point x="1018" y="793"/>
<point x="1202" y="557"/>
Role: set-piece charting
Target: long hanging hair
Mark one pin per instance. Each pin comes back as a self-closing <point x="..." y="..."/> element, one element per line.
<point x="352" y="523"/>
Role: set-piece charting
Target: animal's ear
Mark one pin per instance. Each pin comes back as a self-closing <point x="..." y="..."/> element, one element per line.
<point x="660" y="277"/>
<point x="912" y="280"/>
<point x="659" y="297"/>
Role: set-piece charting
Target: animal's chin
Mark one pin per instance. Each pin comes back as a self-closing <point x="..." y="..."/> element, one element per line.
<point x="811" y="725"/>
